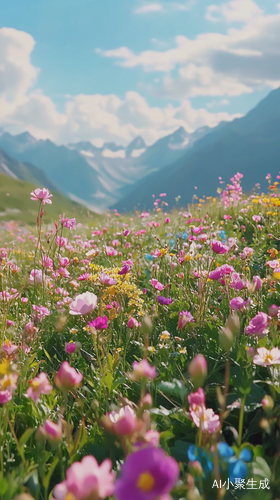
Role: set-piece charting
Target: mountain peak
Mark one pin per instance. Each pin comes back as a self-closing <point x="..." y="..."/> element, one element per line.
<point x="137" y="143"/>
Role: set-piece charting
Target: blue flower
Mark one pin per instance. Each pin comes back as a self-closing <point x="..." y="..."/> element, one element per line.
<point x="171" y="243"/>
<point x="225" y="451"/>
<point x="196" y="453"/>
<point x="223" y="236"/>
<point x="183" y="235"/>
<point x="148" y="256"/>
<point x="237" y="466"/>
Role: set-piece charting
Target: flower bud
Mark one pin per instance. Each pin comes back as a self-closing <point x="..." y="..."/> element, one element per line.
<point x="267" y="403"/>
<point x="198" y="369"/>
<point x="146" y="325"/>
<point x="273" y="311"/>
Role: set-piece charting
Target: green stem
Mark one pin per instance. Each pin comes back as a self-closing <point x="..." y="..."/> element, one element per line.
<point x="241" y="420"/>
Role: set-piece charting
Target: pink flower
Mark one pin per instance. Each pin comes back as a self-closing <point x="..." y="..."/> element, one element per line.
<point x="61" y="242"/>
<point x="36" y="276"/>
<point x="69" y="223"/>
<point x="157" y="285"/>
<point x="256" y="218"/>
<point x="273" y="311"/>
<point x="9" y="349"/>
<point x="205" y="419"/>
<point x="100" y="323"/>
<point x="105" y="279"/>
<point x="258" y="324"/>
<point x="42" y="195"/>
<point x="132" y="322"/>
<point x="237" y="282"/>
<point x="86" y="480"/>
<point x="70" y="347"/>
<point x="219" y="247"/>
<point x="53" y="431"/>
<point x="184" y="318"/>
<point x="39" y="385"/>
<point x="83" y="277"/>
<point x="5" y="397"/>
<point x="220" y="271"/>
<point x="143" y="370"/>
<point x="239" y="304"/>
<point x="124" y="422"/>
<point x="83" y="304"/>
<point x="247" y="253"/>
<point x="63" y="261"/>
<point x="167" y="220"/>
<point x="266" y="357"/>
<point x="110" y="251"/>
<point x="47" y="262"/>
<point x="257" y="281"/>
<point x="67" y="377"/>
<point x="197" y="398"/>
<point x="198" y="368"/>
<point x="126" y="233"/>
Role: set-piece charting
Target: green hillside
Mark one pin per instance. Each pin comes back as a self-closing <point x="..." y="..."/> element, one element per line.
<point x="15" y="204"/>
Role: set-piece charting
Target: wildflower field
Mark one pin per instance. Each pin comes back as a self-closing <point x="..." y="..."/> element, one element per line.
<point x="140" y="354"/>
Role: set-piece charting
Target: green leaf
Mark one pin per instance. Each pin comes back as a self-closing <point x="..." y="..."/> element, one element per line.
<point x="47" y="478"/>
<point x="175" y="388"/>
<point x="24" y="438"/>
<point x="109" y="381"/>
<point x="3" y="486"/>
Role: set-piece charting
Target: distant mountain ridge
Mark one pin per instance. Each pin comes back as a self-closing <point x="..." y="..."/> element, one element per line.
<point x="97" y="177"/>
<point x="250" y="145"/>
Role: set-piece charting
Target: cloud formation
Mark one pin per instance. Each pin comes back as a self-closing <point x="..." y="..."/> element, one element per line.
<point x="151" y="7"/>
<point x="233" y="11"/>
<point x="23" y="107"/>
<point x="237" y="62"/>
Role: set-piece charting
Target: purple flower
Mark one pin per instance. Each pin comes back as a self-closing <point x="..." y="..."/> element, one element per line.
<point x="237" y="282"/>
<point x="220" y="272"/>
<point x="258" y="324"/>
<point x="164" y="301"/>
<point x="125" y="269"/>
<point x="100" y="323"/>
<point x="147" y="474"/>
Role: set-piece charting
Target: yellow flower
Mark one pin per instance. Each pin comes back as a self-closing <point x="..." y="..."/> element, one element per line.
<point x="188" y="257"/>
<point x="73" y="331"/>
<point x="163" y="251"/>
<point x="165" y="335"/>
<point x="151" y="348"/>
<point x="183" y="351"/>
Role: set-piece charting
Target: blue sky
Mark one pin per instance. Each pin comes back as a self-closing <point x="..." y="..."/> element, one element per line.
<point x="110" y="70"/>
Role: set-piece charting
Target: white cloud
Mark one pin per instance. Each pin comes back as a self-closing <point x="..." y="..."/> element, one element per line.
<point x="233" y="63"/>
<point x="186" y="6"/>
<point x="233" y="11"/>
<point x="152" y="7"/>
<point x="97" y="118"/>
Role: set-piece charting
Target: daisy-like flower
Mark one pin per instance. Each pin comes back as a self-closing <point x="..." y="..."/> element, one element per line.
<point x="42" y="195"/>
<point x="266" y="357"/>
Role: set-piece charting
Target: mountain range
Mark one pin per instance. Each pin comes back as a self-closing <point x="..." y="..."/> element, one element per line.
<point x="125" y="178"/>
<point x="95" y="177"/>
<point x="249" y="145"/>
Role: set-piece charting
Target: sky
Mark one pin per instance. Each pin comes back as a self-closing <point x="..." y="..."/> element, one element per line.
<point x="111" y="70"/>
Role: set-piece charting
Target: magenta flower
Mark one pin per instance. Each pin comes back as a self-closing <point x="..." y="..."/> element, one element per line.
<point x="100" y="323"/>
<point x="39" y="385"/>
<point x="197" y="398"/>
<point x="67" y="377"/>
<point x="237" y="282"/>
<point x="273" y="311"/>
<point x="47" y="262"/>
<point x="220" y="271"/>
<point x="83" y="304"/>
<point x="105" y="279"/>
<point x="164" y="301"/>
<point x="42" y="195"/>
<point x="52" y="431"/>
<point x="157" y="285"/>
<point x="147" y="474"/>
<point x="219" y="247"/>
<point x="143" y="370"/>
<point x="69" y="223"/>
<point x="184" y="318"/>
<point x="110" y="251"/>
<point x="258" y="324"/>
<point x="125" y="269"/>
<point x="70" y="347"/>
<point x="86" y="480"/>
<point x="132" y="322"/>
<point x="239" y="304"/>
